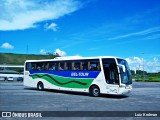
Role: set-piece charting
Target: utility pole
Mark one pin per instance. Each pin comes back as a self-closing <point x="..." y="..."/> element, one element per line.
<point x="143" y="65"/>
<point x="27" y="49"/>
<point x="25" y="56"/>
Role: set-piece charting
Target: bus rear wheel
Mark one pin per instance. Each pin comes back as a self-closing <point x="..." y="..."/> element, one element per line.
<point x="94" y="91"/>
<point x="40" y="86"/>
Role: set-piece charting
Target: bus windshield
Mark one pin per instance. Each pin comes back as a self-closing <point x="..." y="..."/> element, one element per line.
<point x="126" y="77"/>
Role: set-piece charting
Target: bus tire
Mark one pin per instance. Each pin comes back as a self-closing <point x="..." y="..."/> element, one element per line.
<point x="94" y="91"/>
<point x="40" y="86"/>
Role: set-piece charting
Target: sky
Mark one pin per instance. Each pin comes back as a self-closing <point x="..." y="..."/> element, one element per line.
<point x="129" y="29"/>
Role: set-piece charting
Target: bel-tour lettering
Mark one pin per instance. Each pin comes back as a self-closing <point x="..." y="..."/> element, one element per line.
<point x="81" y="74"/>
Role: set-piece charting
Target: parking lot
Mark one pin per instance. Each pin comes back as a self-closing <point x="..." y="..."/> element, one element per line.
<point x="15" y="97"/>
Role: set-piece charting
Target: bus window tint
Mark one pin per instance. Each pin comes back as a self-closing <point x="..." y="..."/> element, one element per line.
<point x="76" y="65"/>
<point x="110" y="71"/>
<point x="61" y="66"/>
<point x="84" y="65"/>
<point x="52" y="66"/>
<point x="94" y="65"/>
<point x="46" y="66"/>
<point x="39" y="66"/>
<point x="28" y="66"/>
<point x="68" y="65"/>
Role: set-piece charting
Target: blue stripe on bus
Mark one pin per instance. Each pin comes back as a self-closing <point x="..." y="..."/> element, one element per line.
<point x="72" y="74"/>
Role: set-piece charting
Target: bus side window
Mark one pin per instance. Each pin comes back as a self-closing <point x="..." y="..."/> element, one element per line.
<point x="51" y="66"/>
<point x="38" y="68"/>
<point x="61" y="66"/>
<point x="28" y="66"/>
<point x="84" y="65"/>
<point x="68" y="65"/>
<point x="46" y="66"/>
<point x="77" y="65"/>
<point x="94" y="65"/>
<point x="33" y="66"/>
<point x="55" y="66"/>
<point x="98" y="67"/>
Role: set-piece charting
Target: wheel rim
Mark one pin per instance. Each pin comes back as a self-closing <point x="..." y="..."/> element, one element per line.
<point x="95" y="91"/>
<point x="40" y="86"/>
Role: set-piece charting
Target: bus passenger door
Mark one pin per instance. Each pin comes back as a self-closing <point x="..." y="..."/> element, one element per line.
<point x="110" y="71"/>
<point x="111" y="74"/>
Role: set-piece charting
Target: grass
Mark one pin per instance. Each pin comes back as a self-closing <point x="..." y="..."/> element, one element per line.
<point x="19" y="59"/>
<point x="149" y="79"/>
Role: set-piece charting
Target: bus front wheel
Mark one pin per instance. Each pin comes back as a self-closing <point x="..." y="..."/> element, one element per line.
<point x="40" y="86"/>
<point x="94" y="91"/>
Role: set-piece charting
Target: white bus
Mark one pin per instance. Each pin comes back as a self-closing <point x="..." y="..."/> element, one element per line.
<point x="95" y="75"/>
<point x="10" y="75"/>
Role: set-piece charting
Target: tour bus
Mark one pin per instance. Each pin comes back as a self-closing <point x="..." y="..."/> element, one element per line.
<point x="94" y="75"/>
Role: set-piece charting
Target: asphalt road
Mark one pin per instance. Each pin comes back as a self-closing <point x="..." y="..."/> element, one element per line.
<point x="15" y="97"/>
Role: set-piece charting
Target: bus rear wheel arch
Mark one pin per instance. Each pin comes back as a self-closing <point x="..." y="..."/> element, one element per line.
<point x="40" y="86"/>
<point x="94" y="91"/>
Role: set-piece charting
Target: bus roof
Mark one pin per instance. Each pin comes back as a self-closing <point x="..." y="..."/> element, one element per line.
<point x="71" y="58"/>
<point x="8" y="71"/>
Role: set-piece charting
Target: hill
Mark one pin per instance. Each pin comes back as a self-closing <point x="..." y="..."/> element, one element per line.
<point x="19" y="59"/>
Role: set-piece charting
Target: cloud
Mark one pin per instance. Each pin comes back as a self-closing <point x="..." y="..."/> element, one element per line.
<point x="25" y="14"/>
<point x="60" y="52"/>
<point x="92" y="48"/>
<point x="57" y="51"/>
<point x="7" y="46"/>
<point x="52" y="26"/>
<point x="43" y="51"/>
<point x="149" y="66"/>
<point x="142" y="26"/>
<point x="144" y="32"/>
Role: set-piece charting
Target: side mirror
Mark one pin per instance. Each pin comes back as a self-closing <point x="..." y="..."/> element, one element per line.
<point x="123" y="67"/>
